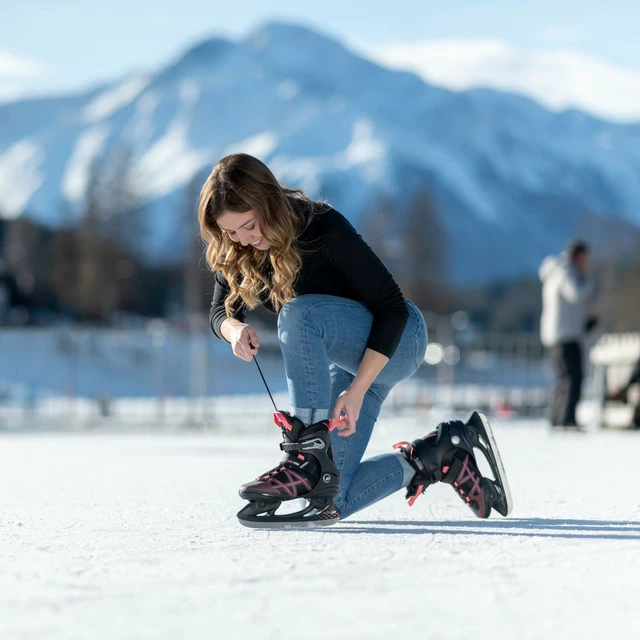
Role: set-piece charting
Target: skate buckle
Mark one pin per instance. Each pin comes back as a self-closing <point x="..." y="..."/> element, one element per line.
<point x="281" y="421"/>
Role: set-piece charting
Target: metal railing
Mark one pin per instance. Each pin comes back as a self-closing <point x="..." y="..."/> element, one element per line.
<point x="77" y="378"/>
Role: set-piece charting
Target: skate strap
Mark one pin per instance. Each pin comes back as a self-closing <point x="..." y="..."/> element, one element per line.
<point x="291" y="446"/>
<point x="453" y="471"/>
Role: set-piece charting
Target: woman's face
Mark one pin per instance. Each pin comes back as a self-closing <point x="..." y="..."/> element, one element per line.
<point x="243" y="228"/>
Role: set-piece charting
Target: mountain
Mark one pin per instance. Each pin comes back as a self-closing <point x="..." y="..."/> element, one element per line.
<point x="512" y="181"/>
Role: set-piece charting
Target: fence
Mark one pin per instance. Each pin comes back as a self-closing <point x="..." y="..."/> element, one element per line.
<point x="614" y="356"/>
<point x="78" y="378"/>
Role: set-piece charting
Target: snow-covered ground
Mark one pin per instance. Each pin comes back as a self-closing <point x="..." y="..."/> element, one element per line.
<point x="118" y="537"/>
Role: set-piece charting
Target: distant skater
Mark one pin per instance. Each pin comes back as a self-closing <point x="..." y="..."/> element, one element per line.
<point x="347" y="336"/>
<point x="567" y="288"/>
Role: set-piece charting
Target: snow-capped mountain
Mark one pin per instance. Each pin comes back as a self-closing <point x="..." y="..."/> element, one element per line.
<point x="511" y="179"/>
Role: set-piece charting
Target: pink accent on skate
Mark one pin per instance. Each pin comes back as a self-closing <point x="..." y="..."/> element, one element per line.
<point x="281" y="421"/>
<point x="333" y="424"/>
<point x="475" y="493"/>
<point x="445" y="469"/>
<point x="290" y="487"/>
<point x="300" y="456"/>
<point x="402" y="445"/>
<point x="418" y="493"/>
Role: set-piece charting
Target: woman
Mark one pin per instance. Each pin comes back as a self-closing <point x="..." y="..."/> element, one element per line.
<point x="347" y="337"/>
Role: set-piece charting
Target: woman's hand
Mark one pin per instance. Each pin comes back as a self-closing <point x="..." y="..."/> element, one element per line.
<point x="349" y="402"/>
<point x="244" y="341"/>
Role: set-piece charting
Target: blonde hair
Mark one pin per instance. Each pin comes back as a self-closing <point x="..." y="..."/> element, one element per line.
<point x="241" y="183"/>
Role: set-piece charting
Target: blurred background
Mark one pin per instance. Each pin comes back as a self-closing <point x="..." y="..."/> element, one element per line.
<point x="466" y="143"/>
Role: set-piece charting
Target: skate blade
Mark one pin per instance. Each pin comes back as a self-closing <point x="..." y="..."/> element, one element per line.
<point x="268" y="523"/>
<point x="262" y="515"/>
<point x="502" y="474"/>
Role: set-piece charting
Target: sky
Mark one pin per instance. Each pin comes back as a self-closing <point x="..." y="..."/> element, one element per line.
<point x="563" y="54"/>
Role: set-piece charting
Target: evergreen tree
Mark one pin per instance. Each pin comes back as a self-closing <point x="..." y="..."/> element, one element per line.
<point x="422" y="271"/>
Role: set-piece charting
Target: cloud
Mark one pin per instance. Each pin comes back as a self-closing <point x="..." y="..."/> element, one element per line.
<point x="13" y="66"/>
<point x="559" y="78"/>
<point x="10" y="93"/>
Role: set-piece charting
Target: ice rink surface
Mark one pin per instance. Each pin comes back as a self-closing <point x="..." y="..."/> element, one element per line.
<point x="121" y="537"/>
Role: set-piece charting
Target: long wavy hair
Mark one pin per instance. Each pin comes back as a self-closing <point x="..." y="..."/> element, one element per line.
<point x="242" y="183"/>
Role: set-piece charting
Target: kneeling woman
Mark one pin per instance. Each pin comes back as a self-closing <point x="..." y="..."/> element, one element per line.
<point x="347" y="336"/>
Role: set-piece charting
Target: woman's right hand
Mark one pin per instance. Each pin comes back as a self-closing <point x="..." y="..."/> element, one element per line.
<point x="244" y="341"/>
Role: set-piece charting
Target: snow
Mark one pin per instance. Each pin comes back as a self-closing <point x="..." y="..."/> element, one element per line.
<point x="170" y="162"/>
<point x="142" y="124"/>
<point x="107" y="103"/>
<point x="364" y="146"/>
<point x="261" y="145"/>
<point x="20" y="176"/>
<point x="114" y="535"/>
<point x="86" y="149"/>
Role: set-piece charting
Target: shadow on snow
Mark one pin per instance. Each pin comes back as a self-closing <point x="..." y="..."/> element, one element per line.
<point x="520" y="527"/>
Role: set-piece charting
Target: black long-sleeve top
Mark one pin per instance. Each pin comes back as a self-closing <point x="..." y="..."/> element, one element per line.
<point x="336" y="261"/>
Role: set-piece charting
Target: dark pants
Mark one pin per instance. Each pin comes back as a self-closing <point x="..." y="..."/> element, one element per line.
<point x="635" y="375"/>
<point x="635" y="379"/>
<point x="567" y="359"/>
<point x="622" y="395"/>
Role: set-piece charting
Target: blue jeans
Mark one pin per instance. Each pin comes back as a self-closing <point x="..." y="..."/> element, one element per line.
<point x="323" y="340"/>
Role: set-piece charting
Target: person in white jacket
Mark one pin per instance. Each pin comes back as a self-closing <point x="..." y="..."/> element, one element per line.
<point x="567" y="289"/>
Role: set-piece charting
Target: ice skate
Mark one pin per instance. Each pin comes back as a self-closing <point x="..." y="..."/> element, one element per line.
<point x="447" y="455"/>
<point x="306" y="471"/>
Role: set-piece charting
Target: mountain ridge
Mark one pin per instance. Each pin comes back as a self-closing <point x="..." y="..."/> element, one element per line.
<point x="511" y="179"/>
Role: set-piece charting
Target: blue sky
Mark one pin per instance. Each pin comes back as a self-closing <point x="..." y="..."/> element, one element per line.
<point x="52" y="47"/>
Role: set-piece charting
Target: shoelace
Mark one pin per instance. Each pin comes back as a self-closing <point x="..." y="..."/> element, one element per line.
<point x="420" y="489"/>
<point x="273" y="472"/>
<point x="402" y="445"/>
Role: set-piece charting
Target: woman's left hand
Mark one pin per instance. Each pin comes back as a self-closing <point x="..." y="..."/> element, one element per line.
<point x="349" y="402"/>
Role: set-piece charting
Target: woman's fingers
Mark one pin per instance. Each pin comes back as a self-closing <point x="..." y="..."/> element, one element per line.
<point x="348" y="430"/>
<point x="343" y="424"/>
<point x="243" y="351"/>
<point x="253" y="337"/>
<point x="246" y="343"/>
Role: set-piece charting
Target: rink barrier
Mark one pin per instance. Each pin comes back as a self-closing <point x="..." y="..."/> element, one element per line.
<point x="613" y="357"/>
<point x="82" y="378"/>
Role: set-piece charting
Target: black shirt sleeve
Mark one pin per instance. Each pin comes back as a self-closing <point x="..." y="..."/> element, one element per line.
<point x="367" y="276"/>
<point x="217" y="313"/>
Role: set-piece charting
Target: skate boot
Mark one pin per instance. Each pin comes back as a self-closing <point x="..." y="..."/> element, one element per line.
<point x="447" y="455"/>
<point x="306" y="471"/>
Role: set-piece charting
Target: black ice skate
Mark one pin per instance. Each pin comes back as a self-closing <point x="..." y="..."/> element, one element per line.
<point x="447" y="455"/>
<point x="306" y="471"/>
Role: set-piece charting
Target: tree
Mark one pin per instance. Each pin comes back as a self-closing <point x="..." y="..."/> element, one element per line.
<point x="381" y="230"/>
<point x="96" y="284"/>
<point x="24" y="254"/>
<point x="422" y="263"/>
<point x="195" y="271"/>
<point x="124" y="227"/>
